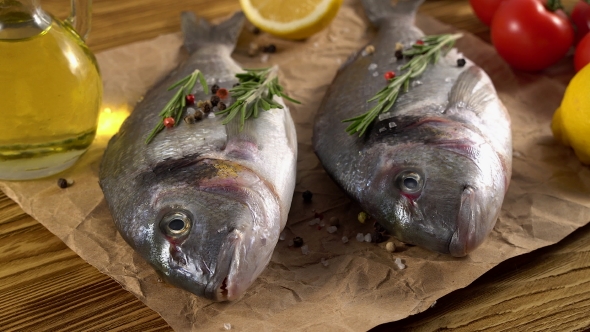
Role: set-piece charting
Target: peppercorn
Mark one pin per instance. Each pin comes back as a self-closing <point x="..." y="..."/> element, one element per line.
<point x="214" y="88"/>
<point x="169" y="122"/>
<point x="419" y="42"/>
<point x="190" y="99"/>
<point x="190" y="119"/>
<point x="461" y="62"/>
<point x="378" y="227"/>
<point x="207" y="106"/>
<point x="256" y="30"/>
<point x="307" y="195"/>
<point x="389" y="75"/>
<point x="62" y="183"/>
<point x="377" y="237"/>
<point x="221" y="106"/>
<point x="237" y="84"/>
<point x="214" y="100"/>
<point x="399" y="54"/>
<point x="297" y="242"/>
<point x="199" y="115"/>
<point x="222" y="93"/>
<point x="270" y="48"/>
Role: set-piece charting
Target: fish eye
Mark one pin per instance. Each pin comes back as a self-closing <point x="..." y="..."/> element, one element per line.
<point x="410" y="182"/>
<point x="176" y="223"/>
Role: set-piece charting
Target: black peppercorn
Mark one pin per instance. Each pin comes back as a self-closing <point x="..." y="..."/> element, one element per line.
<point x="270" y="48"/>
<point x="237" y="84"/>
<point x="297" y="242"/>
<point x="62" y="183"/>
<point x="377" y="237"/>
<point x="399" y="54"/>
<point x="214" y="100"/>
<point x="378" y="227"/>
<point x="190" y="119"/>
<point x="207" y="107"/>
<point x="214" y="88"/>
<point x="307" y="195"/>
<point x="461" y="62"/>
<point x="221" y="106"/>
<point x="256" y="31"/>
<point x="199" y="115"/>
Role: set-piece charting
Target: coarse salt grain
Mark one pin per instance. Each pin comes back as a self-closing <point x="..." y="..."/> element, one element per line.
<point x="314" y="221"/>
<point x="345" y="239"/>
<point x="399" y="264"/>
<point x="368" y="237"/>
<point x="324" y="262"/>
<point x="227" y="326"/>
<point x="360" y="237"/>
<point x="373" y="66"/>
<point x="282" y="236"/>
<point x="190" y="111"/>
<point x="264" y="58"/>
<point x="305" y="249"/>
<point x="332" y="229"/>
<point x="291" y="243"/>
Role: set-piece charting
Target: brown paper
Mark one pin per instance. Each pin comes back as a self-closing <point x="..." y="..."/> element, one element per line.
<point x="360" y="287"/>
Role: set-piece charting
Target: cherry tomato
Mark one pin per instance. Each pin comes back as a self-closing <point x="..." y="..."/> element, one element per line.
<point x="485" y="9"/>
<point x="529" y="36"/>
<point x="582" y="55"/>
<point x="581" y="18"/>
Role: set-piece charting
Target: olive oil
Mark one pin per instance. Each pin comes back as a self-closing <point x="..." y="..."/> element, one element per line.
<point x="50" y="95"/>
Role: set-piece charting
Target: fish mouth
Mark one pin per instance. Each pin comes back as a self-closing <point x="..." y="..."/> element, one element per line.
<point x="468" y="234"/>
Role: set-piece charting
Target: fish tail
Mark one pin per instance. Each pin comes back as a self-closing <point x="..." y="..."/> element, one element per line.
<point x="198" y="32"/>
<point x="379" y="10"/>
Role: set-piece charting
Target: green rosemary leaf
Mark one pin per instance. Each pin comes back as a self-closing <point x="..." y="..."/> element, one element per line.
<point x="174" y="107"/>
<point x="430" y="51"/>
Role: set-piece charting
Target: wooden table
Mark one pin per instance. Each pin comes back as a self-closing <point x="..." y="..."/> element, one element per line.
<point x="46" y="286"/>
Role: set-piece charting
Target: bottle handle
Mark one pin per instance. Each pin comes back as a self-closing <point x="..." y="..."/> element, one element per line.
<point x="80" y="17"/>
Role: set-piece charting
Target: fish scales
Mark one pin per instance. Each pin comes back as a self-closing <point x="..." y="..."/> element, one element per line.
<point x="203" y="203"/>
<point x="448" y="138"/>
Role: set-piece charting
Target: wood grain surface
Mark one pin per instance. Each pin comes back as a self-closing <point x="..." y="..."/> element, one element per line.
<point x="46" y="286"/>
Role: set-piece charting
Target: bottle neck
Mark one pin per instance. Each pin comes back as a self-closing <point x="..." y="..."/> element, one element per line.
<point x="20" y="19"/>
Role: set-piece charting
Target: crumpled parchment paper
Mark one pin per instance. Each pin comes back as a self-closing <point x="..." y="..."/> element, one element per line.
<point x="358" y="285"/>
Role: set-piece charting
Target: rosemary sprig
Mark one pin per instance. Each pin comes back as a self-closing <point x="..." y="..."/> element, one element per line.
<point x="175" y="106"/>
<point x="254" y="93"/>
<point x="429" y="51"/>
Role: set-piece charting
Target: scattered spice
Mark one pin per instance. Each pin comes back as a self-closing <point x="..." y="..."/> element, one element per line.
<point x="221" y="106"/>
<point x="324" y="262"/>
<point x="256" y="30"/>
<point x="399" y="46"/>
<point x="214" y="100"/>
<point x="419" y="42"/>
<point x="190" y="99"/>
<point x="318" y="215"/>
<point x="227" y="326"/>
<point x="389" y="75"/>
<point x="169" y="122"/>
<point x="222" y="93"/>
<point x="190" y="119"/>
<point x="62" y="183"/>
<point x="390" y="246"/>
<point x="207" y="107"/>
<point x="345" y="239"/>
<point x="305" y="249"/>
<point x="253" y="49"/>
<point x="377" y="237"/>
<point x="399" y="54"/>
<point x="314" y="222"/>
<point x="368" y="237"/>
<point x="270" y="48"/>
<point x="297" y="242"/>
<point x="400" y="265"/>
<point x="378" y="227"/>
<point x="236" y="84"/>
<point x="369" y="49"/>
<point x="332" y="229"/>
<point x="362" y="217"/>
<point x="307" y="195"/>
<point x="360" y="237"/>
<point x="461" y="62"/>
<point x="214" y="88"/>
<point x="199" y="115"/>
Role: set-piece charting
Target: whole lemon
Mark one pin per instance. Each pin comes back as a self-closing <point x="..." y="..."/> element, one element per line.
<point x="571" y="121"/>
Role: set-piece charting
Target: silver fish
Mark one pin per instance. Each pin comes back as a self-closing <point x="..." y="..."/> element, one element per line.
<point x="203" y="203"/>
<point x="434" y="169"/>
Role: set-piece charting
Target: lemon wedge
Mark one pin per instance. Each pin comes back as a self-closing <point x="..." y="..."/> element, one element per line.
<point x="291" y="19"/>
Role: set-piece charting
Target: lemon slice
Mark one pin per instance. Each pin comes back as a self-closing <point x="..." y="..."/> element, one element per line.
<point x="292" y="19"/>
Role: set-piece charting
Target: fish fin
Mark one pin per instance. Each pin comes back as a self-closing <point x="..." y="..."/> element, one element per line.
<point x="471" y="90"/>
<point x="378" y="10"/>
<point x="198" y="31"/>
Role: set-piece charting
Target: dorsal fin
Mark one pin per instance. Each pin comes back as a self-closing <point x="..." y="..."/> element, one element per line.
<point x="198" y="32"/>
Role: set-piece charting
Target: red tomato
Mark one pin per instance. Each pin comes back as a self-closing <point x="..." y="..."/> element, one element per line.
<point x="485" y="9"/>
<point x="581" y="18"/>
<point x="582" y="55"/>
<point x="529" y="36"/>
